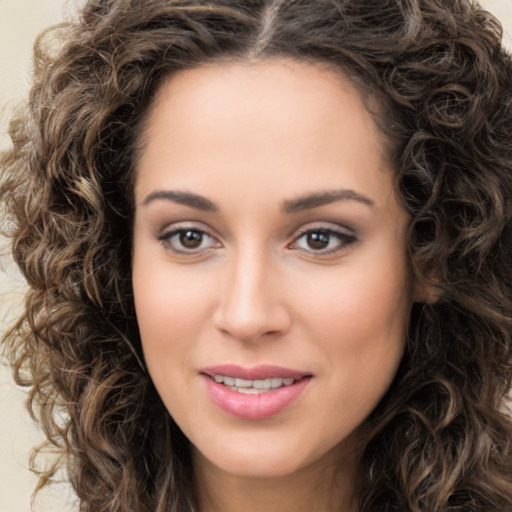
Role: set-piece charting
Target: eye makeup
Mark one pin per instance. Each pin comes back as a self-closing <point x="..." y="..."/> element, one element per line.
<point x="187" y="240"/>
<point x="318" y="240"/>
<point x="322" y="241"/>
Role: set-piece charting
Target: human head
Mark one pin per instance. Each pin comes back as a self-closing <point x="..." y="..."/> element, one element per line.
<point x="441" y="88"/>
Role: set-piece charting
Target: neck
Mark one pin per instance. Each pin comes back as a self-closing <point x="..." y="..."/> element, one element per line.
<point x="323" y="489"/>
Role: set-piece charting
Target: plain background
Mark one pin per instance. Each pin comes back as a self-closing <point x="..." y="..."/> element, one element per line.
<point x="20" y="22"/>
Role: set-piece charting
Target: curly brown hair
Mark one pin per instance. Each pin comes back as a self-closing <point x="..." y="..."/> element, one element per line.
<point x="440" y="439"/>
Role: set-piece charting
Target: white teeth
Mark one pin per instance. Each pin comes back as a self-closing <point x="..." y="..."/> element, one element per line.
<point x="262" y="384"/>
<point x="249" y="391"/>
<point x="251" y="387"/>
<point x="241" y="383"/>
<point x="276" y="383"/>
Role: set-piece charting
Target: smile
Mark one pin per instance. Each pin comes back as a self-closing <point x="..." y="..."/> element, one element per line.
<point x="253" y="387"/>
<point x="254" y="393"/>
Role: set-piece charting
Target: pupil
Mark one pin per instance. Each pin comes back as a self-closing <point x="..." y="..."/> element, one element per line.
<point x="191" y="239"/>
<point x="318" y="240"/>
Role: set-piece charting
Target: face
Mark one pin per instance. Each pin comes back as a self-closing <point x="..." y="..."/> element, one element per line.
<point x="270" y="275"/>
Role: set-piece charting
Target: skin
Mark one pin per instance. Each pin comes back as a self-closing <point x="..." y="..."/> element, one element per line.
<point x="250" y="138"/>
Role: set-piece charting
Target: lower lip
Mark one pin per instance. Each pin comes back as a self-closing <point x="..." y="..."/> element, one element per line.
<point x="258" y="406"/>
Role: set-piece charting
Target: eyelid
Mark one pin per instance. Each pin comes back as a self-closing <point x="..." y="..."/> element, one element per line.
<point x="345" y="235"/>
<point x="326" y="226"/>
<point x="166" y="234"/>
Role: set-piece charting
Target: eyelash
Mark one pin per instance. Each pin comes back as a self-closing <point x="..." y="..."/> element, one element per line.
<point x="166" y="239"/>
<point x="344" y="239"/>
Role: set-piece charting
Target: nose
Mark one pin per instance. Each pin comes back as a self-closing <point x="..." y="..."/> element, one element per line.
<point x="252" y="302"/>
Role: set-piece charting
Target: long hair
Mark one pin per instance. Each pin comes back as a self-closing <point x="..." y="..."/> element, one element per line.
<point x="440" y="439"/>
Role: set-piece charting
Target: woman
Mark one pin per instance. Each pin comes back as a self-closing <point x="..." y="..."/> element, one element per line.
<point x="268" y="247"/>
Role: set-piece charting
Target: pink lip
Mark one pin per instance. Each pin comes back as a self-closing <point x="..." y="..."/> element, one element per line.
<point x="258" y="406"/>
<point x="256" y="373"/>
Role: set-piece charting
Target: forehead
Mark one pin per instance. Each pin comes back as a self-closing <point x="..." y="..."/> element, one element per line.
<point x="258" y="124"/>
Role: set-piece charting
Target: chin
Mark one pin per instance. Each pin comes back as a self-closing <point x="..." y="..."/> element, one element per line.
<point x="255" y="459"/>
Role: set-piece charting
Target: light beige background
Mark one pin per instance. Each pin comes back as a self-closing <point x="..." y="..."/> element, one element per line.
<point x="20" y="21"/>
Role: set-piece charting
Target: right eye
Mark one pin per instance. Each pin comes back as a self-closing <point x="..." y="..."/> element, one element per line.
<point x="187" y="240"/>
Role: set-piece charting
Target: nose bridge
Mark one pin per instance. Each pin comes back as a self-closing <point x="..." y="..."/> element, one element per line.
<point x="250" y="304"/>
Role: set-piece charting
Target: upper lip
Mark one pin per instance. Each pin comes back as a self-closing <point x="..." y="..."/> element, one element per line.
<point x="260" y="372"/>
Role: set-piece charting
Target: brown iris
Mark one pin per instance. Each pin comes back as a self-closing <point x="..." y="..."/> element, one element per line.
<point x="318" y="240"/>
<point x="191" y="239"/>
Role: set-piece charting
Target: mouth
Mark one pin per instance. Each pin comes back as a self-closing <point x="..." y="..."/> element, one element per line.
<point x="255" y="393"/>
<point x="253" y="387"/>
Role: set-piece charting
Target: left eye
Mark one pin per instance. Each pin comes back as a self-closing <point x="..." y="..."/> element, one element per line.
<point x="187" y="240"/>
<point x="323" y="240"/>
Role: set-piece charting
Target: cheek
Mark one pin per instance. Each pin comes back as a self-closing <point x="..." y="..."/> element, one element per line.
<point x="169" y="294"/>
<point x="360" y="321"/>
<point x="360" y="301"/>
<point x="362" y="337"/>
<point x="171" y="309"/>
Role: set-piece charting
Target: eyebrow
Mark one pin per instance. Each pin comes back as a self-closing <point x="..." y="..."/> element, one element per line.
<point x="318" y="199"/>
<point x="186" y="198"/>
<point x="306" y="202"/>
